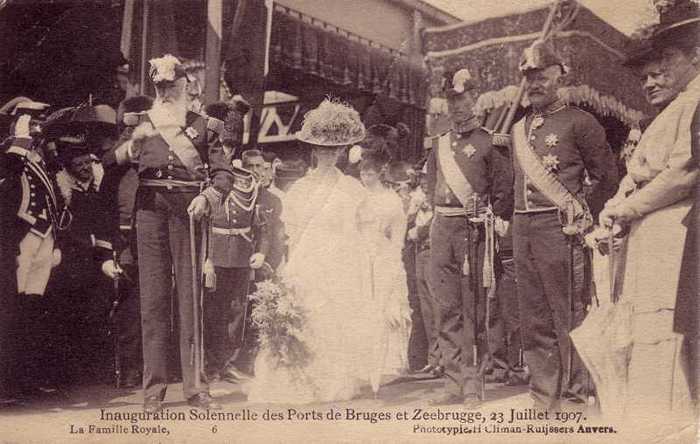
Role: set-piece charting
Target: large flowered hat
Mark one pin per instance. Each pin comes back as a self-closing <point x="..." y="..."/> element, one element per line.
<point x="333" y="124"/>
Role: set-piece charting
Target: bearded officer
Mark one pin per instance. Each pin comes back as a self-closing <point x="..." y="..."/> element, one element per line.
<point x="556" y="148"/>
<point x="173" y="148"/>
<point x="469" y="181"/>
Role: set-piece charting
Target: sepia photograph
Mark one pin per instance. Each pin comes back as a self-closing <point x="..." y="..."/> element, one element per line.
<point x="321" y="221"/>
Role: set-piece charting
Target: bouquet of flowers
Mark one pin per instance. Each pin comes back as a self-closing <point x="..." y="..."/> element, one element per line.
<point x="279" y="320"/>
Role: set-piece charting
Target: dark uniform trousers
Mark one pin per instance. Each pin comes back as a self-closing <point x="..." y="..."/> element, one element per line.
<point x="431" y="321"/>
<point x="128" y="319"/>
<point x="418" y="343"/>
<point x="163" y="245"/>
<point x="225" y="314"/>
<point x="451" y="238"/>
<point x="505" y="322"/>
<point x="542" y="274"/>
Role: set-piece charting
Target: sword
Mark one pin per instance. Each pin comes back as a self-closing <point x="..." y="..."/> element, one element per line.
<point x="195" y="346"/>
<point x="570" y="284"/>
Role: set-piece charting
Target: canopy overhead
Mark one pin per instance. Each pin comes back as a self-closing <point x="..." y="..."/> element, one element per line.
<point x="311" y="47"/>
<point x="491" y="50"/>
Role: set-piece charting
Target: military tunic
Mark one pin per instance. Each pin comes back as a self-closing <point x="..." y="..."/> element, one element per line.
<point x="170" y="175"/>
<point x="457" y="287"/>
<point x="28" y="216"/>
<point x="238" y="230"/>
<point x="572" y="145"/>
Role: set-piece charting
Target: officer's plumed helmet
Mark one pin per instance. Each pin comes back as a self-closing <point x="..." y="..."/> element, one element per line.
<point x="540" y="55"/>
<point x="166" y="69"/>
<point x="457" y="82"/>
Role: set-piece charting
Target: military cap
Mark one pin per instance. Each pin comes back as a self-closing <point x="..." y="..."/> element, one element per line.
<point x="400" y="172"/>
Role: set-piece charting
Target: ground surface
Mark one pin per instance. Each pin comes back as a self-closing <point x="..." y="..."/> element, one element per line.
<point x="61" y="417"/>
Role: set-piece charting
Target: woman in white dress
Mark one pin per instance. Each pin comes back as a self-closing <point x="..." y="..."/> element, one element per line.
<point x="382" y="224"/>
<point x="329" y="270"/>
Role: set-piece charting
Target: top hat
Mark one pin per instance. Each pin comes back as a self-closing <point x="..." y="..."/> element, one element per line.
<point x="332" y="124"/>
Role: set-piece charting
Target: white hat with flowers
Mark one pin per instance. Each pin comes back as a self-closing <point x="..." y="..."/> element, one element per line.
<point x="332" y="123"/>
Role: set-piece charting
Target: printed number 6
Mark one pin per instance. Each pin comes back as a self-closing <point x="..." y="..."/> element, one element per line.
<point x="214" y="429"/>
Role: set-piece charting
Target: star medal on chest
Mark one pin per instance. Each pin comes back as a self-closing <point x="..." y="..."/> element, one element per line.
<point x="551" y="140"/>
<point x="469" y="150"/>
<point x="191" y="132"/>
<point x="550" y="162"/>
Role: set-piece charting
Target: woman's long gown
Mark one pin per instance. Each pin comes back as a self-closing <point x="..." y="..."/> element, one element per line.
<point x="330" y="273"/>
<point x="382" y="223"/>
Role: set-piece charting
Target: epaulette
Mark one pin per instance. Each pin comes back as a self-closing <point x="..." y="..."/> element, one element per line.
<point x="134" y="118"/>
<point x="215" y="125"/>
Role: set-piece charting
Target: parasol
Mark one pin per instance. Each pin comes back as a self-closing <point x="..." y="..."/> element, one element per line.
<point x="604" y="343"/>
<point x="96" y="121"/>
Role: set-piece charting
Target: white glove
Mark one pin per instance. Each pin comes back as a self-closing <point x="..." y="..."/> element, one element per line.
<point x="22" y="126"/>
<point x="56" y="258"/>
<point x="501" y="226"/>
<point x="257" y="260"/>
<point x="413" y="233"/>
<point x="198" y="207"/>
<point x="110" y="269"/>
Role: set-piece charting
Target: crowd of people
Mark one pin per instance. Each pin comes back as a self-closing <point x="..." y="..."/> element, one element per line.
<point x="132" y="230"/>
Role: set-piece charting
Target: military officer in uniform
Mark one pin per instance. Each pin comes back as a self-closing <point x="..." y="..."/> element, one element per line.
<point x="239" y="244"/>
<point x="29" y="214"/>
<point x="556" y="147"/>
<point x="469" y="183"/>
<point x="268" y="218"/>
<point x="173" y="148"/>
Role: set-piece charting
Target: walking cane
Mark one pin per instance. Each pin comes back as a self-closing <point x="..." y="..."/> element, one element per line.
<point x="205" y="279"/>
<point x="195" y="347"/>
<point x="114" y="328"/>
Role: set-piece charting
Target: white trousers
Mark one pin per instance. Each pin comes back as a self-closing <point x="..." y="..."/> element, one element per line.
<point x="34" y="263"/>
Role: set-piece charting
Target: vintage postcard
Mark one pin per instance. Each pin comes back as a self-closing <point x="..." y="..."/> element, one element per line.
<point x="332" y="221"/>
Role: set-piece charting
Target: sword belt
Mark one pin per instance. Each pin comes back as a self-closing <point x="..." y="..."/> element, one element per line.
<point x="474" y="216"/>
<point x="184" y="185"/>
<point x="243" y="232"/>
